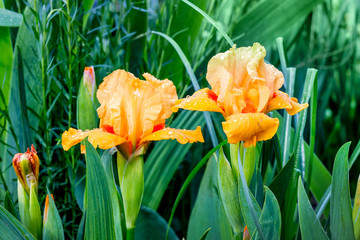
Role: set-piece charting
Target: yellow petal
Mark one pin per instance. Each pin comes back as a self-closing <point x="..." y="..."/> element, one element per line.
<point x="182" y="136"/>
<point x="202" y="100"/>
<point x="97" y="137"/>
<point x="282" y="100"/>
<point x="250" y="128"/>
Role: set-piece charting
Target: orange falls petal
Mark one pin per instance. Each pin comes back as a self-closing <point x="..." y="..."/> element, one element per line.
<point x="202" y="100"/>
<point x="250" y="128"/>
<point x="97" y="137"/>
<point x="182" y="136"/>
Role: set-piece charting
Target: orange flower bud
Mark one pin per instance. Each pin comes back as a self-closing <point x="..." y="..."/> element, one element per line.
<point x="47" y="207"/>
<point x="89" y="80"/>
<point x="26" y="166"/>
<point x="246" y="235"/>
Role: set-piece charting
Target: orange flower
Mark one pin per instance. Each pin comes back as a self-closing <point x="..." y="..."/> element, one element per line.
<point x="132" y="113"/>
<point x="244" y="90"/>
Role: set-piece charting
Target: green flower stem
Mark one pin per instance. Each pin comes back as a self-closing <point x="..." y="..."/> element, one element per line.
<point x="131" y="179"/>
<point x="130" y="233"/>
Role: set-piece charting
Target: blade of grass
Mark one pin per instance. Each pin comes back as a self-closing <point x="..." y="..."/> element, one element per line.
<point x="207" y="17"/>
<point x="313" y="109"/>
<point x="194" y="82"/>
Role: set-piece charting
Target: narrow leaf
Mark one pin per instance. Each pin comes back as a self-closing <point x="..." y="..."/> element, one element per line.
<point x="341" y="225"/>
<point x="309" y="225"/>
<point x="99" y="214"/>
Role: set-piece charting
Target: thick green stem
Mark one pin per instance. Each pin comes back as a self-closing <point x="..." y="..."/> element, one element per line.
<point x="131" y="179"/>
<point x="130" y="233"/>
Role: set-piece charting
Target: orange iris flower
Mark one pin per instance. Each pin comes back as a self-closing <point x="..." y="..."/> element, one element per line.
<point x="244" y="90"/>
<point x="132" y="113"/>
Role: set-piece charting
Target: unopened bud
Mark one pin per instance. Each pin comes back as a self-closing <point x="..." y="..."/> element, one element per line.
<point x="89" y="80"/>
<point x="246" y="235"/>
<point x="47" y="207"/>
<point x="26" y="166"/>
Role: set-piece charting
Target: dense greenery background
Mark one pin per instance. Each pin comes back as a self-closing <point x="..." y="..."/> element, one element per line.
<point x="56" y="40"/>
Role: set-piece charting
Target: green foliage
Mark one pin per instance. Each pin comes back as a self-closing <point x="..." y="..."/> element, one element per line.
<point x="11" y="228"/>
<point x="208" y="210"/>
<point x="99" y="213"/>
<point x="340" y="205"/>
<point x="52" y="227"/>
<point x="310" y="226"/>
<point x="45" y="47"/>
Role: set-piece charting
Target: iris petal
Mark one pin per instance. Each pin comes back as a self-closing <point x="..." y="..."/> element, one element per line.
<point x="282" y="101"/>
<point x="202" y="100"/>
<point x="97" y="137"/>
<point x="182" y="136"/>
<point x="250" y="128"/>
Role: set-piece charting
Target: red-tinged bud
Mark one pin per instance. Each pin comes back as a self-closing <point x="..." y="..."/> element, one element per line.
<point x="26" y="166"/>
<point x="89" y="80"/>
<point x="246" y="235"/>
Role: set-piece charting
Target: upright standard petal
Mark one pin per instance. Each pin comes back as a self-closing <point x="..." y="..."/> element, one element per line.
<point x="202" y="100"/>
<point x="182" y="136"/>
<point x="97" y="137"/>
<point x="250" y="128"/>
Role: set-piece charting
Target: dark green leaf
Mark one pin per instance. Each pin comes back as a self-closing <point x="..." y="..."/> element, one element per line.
<point x="270" y="218"/>
<point x="151" y="226"/>
<point x="281" y="182"/>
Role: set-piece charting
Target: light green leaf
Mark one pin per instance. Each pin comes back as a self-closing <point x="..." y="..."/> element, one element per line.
<point x="52" y="227"/>
<point x="229" y="194"/>
<point x="106" y="160"/>
<point x="99" y="213"/>
<point x="309" y="224"/>
<point x="208" y="210"/>
<point x="9" y="18"/>
<point x="356" y="211"/>
<point x="10" y="228"/>
<point x="341" y="225"/>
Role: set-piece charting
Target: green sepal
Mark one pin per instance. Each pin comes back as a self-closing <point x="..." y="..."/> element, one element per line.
<point x="35" y="213"/>
<point x="248" y="159"/>
<point x="131" y="179"/>
<point x="52" y="224"/>
<point x="229" y="194"/>
<point x="23" y="201"/>
<point x="234" y="156"/>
